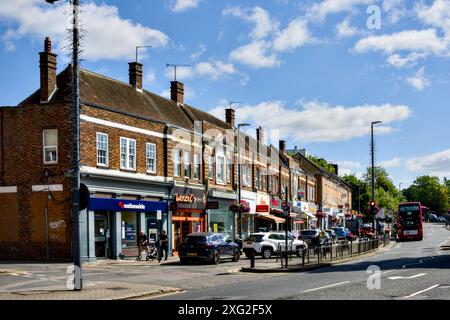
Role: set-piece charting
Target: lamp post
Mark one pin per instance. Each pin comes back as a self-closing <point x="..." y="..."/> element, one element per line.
<point x="399" y="191"/>
<point x="373" y="170"/>
<point x="239" y="173"/>
<point x="75" y="172"/>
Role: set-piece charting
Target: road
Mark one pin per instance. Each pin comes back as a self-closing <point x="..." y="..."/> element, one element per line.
<point x="410" y="270"/>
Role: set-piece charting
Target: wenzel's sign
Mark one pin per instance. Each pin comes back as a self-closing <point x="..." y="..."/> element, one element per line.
<point x="185" y="198"/>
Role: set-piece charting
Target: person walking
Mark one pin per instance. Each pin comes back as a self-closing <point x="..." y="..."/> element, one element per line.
<point x="163" y="245"/>
<point x="142" y="244"/>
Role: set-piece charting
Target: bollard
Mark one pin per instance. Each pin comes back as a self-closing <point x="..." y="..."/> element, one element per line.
<point x="252" y="260"/>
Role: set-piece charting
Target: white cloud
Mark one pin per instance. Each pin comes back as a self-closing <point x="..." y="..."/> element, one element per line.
<point x="392" y="163"/>
<point x="433" y="164"/>
<point x="183" y="5"/>
<point x="255" y="55"/>
<point x="319" y="11"/>
<point x="108" y="35"/>
<point x="149" y="76"/>
<point x="199" y="53"/>
<point x="438" y="14"/>
<point x="424" y="41"/>
<point x="418" y="80"/>
<point x="396" y="10"/>
<point x="320" y="122"/>
<point x="263" y="23"/>
<point x="295" y="35"/>
<point x="345" y="30"/>
<point x="409" y="60"/>
<point x="214" y="70"/>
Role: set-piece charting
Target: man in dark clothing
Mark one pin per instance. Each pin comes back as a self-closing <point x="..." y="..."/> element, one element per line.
<point x="163" y="244"/>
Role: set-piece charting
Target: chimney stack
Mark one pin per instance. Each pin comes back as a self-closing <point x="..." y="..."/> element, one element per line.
<point x="47" y="65"/>
<point x="177" y="91"/>
<point x="260" y="134"/>
<point x="135" y="74"/>
<point x="230" y="117"/>
<point x="282" y="145"/>
<point x="336" y="167"/>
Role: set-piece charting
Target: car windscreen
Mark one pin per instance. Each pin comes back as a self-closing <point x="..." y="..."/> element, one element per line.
<point x="195" y="239"/>
<point x="308" y="233"/>
<point x="255" y="237"/>
<point x="409" y="215"/>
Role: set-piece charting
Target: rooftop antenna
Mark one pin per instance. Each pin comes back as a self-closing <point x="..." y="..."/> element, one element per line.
<point x="234" y="102"/>
<point x="137" y="47"/>
<point x="175" y="68"/>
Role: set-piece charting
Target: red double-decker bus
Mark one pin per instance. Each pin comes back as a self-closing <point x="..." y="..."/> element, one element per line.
<point x="409" y="221"/>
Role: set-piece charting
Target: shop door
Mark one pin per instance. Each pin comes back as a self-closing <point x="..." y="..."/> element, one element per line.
<point x="184" y="227"/>
<point x="102" y="236"/>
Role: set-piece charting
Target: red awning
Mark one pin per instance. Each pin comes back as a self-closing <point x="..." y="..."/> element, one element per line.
<point x="272" y="217"/>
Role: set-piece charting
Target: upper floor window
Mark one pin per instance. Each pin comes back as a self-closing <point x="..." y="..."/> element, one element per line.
<point x="102" y="149"/>
<point x="229" y="169"/>
<point x="220" y="169"/>
<point x="196" y="166"/>
<point x="187" y="164"/>
<point x="176" y="163"/>
<point x="247" y="174"/>
<point x="211" y="167"/>
<point x="50" y="138"/>
<point x="150" y="156"/>
<point x="128" y="153"/>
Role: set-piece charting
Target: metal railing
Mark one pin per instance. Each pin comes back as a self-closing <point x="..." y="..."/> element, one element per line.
<point x="325" y="253"/>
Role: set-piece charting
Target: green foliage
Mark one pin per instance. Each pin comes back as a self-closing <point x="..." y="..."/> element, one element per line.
<point x="430" y="192"/>
<point x="322" y="163"/>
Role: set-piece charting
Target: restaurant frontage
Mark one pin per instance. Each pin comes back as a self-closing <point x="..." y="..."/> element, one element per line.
<point x="188" y="209"/>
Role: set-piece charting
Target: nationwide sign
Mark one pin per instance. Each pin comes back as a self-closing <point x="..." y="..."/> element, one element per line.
<point x="131" y="206"/>
<point x="106" y="204"/>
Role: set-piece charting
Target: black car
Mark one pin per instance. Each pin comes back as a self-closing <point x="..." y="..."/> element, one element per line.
<point x="210" y="247"/>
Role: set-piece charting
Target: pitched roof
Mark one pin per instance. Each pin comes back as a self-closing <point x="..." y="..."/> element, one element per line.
<point x="99" y="90"/>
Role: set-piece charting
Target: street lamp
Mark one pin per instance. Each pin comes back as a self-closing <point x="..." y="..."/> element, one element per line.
<point x="373" y="170"/>
<point x="75" y="172"/>
<point x="239" y="173"/>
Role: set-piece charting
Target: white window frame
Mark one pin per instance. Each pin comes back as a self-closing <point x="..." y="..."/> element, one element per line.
<point x="176" y="164"/>
<point x="188" y="164"/>
<point x="211" y="167"/>
<point x="229" y="169"/>
<point x="196" y="165"/>
<point x="45" y="148"/>
<point x="149" y="157"/>
<point x="220" y="168"/>
<point x="106" y="164"/>
<point x="128" y="164"/>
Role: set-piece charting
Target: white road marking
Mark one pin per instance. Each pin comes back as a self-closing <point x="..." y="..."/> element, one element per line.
<point x="324" y="287"/>
<point x="411" y="277"/>
<point x="421" y="291"/>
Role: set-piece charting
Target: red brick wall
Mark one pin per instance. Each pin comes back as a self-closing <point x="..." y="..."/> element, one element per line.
<point x="22" y="229"/>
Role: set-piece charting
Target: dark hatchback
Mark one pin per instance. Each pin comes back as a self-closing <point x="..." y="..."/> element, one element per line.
<point x="210" y="247"/>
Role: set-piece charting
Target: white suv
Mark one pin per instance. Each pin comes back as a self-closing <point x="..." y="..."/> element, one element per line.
<point x="266" y="243"/>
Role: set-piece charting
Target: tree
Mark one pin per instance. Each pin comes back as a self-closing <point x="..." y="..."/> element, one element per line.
<point x="429" y="191"/>
<point x="360" y="192"/>
<point x="322" y="163"/>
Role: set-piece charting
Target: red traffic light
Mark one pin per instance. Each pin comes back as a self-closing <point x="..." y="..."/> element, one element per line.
<point x="372" y="203"/>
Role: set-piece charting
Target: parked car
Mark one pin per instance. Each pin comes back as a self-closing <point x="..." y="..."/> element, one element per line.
<point x="441" y="219"/>
<point x="309" y="235"/>
<point x="432" y="217"/>
<point x="332" y="234"/>
<point x="366" y="231"/>
<point x="341" y="232"/>
<point x="207" y="246"/>
<point x="266" y="243"/>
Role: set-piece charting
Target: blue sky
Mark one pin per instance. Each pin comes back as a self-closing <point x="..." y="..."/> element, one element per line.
<point x="314" y="73"/>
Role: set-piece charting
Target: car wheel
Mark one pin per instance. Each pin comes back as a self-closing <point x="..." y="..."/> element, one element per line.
<point x="216" y="257"/>
<point x="236" y="256"/>
<point x="266" y="252"/>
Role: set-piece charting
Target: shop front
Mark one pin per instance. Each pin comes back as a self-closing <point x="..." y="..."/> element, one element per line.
<point x="117" y="223"/>
<point x="300" y="216"/>
<point x="248" y="219"/>
<point x="266" y="221"/>
<point x="188" y="214"/>
<point x="220" y="218"/>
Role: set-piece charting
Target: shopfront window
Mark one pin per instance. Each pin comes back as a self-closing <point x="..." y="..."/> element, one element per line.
<point x="129" y="229"/>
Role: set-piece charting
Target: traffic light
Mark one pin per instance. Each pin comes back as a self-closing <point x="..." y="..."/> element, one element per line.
<point x="373" y="208"/>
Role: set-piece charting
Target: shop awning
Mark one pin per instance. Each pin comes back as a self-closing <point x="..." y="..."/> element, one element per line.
<point x="272" y="217"/>
<point x="310" y="215"/>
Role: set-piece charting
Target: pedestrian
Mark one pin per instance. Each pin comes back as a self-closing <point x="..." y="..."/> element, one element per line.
<point x="163" y="244"/>
<point x="142" y="244"/>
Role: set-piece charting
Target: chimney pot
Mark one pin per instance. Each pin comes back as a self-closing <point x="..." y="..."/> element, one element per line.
<point x="47" y="66"/>
<point x="230" y="117"/>
<point x="282" y="145"/>
<point x="177" y="91"/>
<point x="135" y="74"/>
<point x="260" y="134"/>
